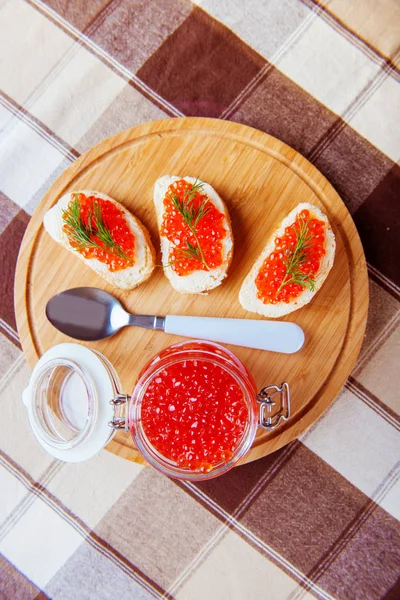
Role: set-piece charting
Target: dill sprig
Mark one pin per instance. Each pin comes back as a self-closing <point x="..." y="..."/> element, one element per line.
<point x="297" y="257"/>
<point x="75" y="229"/>
<point x="191" y="251"/>
<point x="192" y="215"/>
<point x="81" y="234"/>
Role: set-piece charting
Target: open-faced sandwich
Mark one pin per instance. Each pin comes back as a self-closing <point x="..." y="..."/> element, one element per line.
<point x="104" y="234"/>
<point x="195" y="232"/>
<point x="293" y="265"/>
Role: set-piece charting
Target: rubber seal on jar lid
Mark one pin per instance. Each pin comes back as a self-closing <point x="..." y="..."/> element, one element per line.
<point x="68" y="402"/>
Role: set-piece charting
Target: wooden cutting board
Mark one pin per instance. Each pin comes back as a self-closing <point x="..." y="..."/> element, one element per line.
<point x="261" y="180"/>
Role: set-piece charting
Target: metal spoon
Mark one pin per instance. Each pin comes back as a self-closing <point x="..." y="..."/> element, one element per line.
<point x="91" y="314"/>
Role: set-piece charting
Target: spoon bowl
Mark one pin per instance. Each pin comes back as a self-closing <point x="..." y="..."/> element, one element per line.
<point x="87" y="314"/>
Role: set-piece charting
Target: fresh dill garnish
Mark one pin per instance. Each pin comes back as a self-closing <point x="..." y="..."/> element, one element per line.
<point x="297" y="257"/>
<point x="82" y="236"/>
<point x="192" y="214"/>
<point x="191" y="251"/>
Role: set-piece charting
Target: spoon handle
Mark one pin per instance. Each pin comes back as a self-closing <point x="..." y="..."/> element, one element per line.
<point x="276" y="336"/>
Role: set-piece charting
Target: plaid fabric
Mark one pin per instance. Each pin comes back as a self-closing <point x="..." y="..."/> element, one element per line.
<point x="319" y="517"/>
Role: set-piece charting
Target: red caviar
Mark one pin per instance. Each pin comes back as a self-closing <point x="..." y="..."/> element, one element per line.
<point x="210" y="231"/>
<point x="273" y="282"/>
<point x="194" y="413"/>
<point x="115" y="221"/>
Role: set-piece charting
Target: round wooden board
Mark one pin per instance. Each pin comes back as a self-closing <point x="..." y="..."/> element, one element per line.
<point x="261" y="180"/>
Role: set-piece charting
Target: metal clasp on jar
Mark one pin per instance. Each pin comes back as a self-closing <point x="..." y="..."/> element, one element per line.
<point x="269" y="419"/>
<point x="120" y="404"/>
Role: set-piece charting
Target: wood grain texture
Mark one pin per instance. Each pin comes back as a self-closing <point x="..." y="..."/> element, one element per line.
<point x="261" y="180"/>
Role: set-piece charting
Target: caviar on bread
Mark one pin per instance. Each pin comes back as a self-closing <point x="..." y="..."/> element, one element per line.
<point x="293" y="265"/>
<point x="195" y="233"/>
<point x="104" y="234"/>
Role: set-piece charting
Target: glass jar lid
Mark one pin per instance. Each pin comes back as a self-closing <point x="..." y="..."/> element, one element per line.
<point x="68" y="401"/>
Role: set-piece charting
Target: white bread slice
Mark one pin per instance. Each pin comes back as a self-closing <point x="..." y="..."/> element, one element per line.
<point x="248" y="292"/>
<point x="126" y="279"/>
<point x="199" y="281"/>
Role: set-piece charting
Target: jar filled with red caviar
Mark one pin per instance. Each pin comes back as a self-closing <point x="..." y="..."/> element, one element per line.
<point x="193" y="413"/>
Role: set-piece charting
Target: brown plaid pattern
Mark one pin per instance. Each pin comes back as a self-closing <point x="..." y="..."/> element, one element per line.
<point x="318" y="518"/>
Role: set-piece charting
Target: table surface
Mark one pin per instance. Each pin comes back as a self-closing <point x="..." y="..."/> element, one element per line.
<point x="318" y="518"/>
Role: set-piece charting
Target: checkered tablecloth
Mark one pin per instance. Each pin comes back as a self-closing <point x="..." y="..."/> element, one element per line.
<point x="319" y="517"/>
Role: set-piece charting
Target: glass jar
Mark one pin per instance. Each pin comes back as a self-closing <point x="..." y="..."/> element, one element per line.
<point x="75" y="405"/>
